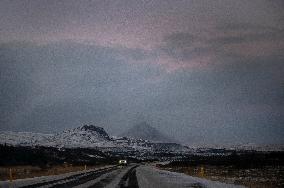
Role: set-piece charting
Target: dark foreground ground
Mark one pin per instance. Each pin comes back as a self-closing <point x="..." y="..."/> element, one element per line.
<point x="18" y="162"/>
<point x="252" y="169"/>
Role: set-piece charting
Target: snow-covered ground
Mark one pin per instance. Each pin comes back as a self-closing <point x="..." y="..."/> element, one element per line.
<point x="150" y="177"/>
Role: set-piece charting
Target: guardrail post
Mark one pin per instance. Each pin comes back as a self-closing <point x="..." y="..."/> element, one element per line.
<point x="202" y="171"/>
<point x="10" y="178"/>
<point x="10" y="175"/>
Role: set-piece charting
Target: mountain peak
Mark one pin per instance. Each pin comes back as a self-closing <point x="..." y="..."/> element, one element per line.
<point x="91" y="128"/>
<point x="96" y="130"/>
<point x="144" y="131"/>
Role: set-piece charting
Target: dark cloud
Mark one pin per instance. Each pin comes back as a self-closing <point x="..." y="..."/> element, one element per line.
<point x="232" y="27"/>
<point x="203" y="71"/>
<point x="245" y="33"/>
<point x="38" y="80"/>
<point x="232" y="92"/>
<point x="60" y="85"/>
<point x="186" y="46"/>
<point x="235" y="100"/>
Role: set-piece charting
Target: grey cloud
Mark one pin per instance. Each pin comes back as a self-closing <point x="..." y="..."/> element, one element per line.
<point x="65" y="84"/>
<point x="233" y="93"/>
<point x="185" y="46"/>
<point x="232" y="98"/>
<point x="238" y="101"/>
<point x="232" y="27"/>
<point x="248" y="33"/>
<point x="180" y="39"/>
<point x="68" y="81"/>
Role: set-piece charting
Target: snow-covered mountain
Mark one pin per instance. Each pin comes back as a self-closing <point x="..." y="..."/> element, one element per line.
<point x="23" y="138"/>
<point x="86" y="136"/>
<point x="146" y="132"/>
<point x="141" y="137"/>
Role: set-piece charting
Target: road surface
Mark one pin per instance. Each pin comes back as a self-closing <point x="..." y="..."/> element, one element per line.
<point x="132" y="176"/>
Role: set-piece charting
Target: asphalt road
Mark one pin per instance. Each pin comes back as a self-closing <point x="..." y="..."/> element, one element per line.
<point x="132" y="176"/>
<point x="120" y="177"/>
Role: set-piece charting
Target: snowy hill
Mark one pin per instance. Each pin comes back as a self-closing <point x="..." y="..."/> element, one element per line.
<point x="24" y="138"/>
<point x="141" y="137"/>
<point x="84" y="136"/>
<point x="91" y="136"/>
<point x="146" y="132"/>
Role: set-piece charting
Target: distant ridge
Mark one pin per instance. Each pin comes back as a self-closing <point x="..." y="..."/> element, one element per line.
<point x="91" y="136"/>
<point x="146" y="132"/>
<point x="140" y="137"/>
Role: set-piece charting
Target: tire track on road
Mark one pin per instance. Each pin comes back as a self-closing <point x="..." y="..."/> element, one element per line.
<point x="83" y="179"/>
<point x="129" y="180"/>
<point x="72" y="180"/>
<point x="105" y="181"/>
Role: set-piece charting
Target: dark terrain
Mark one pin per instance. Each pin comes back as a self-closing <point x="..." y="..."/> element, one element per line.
<point x="250" y="168"/>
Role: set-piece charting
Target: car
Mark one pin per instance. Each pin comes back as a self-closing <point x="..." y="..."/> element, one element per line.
<point x="122" y="162"/>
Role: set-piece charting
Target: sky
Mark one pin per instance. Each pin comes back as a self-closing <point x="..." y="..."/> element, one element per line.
<point x="201" y="71"/>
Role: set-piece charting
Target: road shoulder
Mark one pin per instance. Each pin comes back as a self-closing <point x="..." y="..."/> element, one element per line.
<point x="150" y="177"/>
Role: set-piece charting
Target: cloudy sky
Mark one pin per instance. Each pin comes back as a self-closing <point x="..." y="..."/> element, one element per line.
<point x="200" y="71"/>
